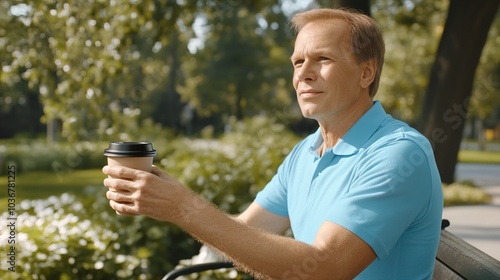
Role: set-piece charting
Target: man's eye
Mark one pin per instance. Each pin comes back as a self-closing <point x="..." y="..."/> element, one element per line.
<point x="298" y="62"/>
<point x="323" y="58"/>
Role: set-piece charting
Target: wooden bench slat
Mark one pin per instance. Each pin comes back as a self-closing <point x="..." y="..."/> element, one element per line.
<point x="441" y="271"/>
<point x="465" y="259"/>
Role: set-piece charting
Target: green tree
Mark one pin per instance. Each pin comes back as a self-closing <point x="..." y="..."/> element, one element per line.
<point x="434" y="91"/>
<point x="93" y="63"/>
<point x="243" y="66"/>
<point x="411" y="33"/>
<point x="451" y="81"/>
<point x="102" y="69"/>
<point x="485" y="99"/>
<point x="20" y="108"/>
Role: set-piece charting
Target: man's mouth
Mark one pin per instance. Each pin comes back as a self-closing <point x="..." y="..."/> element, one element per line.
<point x="309" y="93"/>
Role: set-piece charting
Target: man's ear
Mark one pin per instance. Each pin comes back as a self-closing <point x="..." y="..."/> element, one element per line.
<point x="369" y="69"/>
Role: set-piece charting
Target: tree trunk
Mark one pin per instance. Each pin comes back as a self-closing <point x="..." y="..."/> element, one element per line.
<point x="169" y="106"/>
<point x="450" y="85"/>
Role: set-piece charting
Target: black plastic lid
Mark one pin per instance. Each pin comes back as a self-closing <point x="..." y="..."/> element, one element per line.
<point x="130" y="149"/>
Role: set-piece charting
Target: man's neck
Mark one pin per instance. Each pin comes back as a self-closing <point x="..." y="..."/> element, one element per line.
<point x="334" y="129"/>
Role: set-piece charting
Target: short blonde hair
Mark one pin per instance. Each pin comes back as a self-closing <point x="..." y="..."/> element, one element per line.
<point x="366" y="37"/>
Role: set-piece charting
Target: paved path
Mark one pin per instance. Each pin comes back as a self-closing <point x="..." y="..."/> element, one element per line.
<point x="478" y="225"/>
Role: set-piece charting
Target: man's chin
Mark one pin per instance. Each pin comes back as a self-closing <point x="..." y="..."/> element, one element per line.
<point x="307" y="113"/>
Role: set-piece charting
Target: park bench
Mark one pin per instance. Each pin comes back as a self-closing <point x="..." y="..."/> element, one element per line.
<point x="456" y="259"/>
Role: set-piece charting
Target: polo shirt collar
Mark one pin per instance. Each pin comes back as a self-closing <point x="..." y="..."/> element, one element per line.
<point x="359" y="133"/>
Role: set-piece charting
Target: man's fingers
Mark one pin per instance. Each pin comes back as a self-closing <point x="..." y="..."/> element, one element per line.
<point x="119" y="185"/>
<point x="120" y="172"/>
<point x="123" y="209"/>
<point x="120" y="197"/>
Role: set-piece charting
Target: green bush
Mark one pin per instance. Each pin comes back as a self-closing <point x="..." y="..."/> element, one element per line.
<point x="230" y="171"/>
<point x="36" y="155"/>
<point x="67" y="237"/>
<point x="39" y="156"/>
<point x="464" y="193"/>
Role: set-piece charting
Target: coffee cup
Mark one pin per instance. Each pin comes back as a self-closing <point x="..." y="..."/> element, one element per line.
<point x="136" y="155"/>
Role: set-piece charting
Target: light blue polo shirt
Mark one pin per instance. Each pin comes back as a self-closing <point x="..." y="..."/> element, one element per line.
<point x="380" y="181"/>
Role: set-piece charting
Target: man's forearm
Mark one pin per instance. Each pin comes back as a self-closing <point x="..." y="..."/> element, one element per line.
<point x="246" y="246"/>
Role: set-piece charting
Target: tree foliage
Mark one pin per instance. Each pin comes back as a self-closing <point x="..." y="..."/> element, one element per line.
<point x="485" y="99"/>
<point x="106" y="68"/>
<point x="242" y="68"/>
<point x="94" y="63"/>
<point x="411" y="32"/>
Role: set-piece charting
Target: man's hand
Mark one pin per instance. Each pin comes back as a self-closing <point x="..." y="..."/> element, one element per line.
<point x="156" y="194"/>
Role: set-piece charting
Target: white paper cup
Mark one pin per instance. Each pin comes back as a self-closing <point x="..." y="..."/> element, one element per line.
<point x="136" y="155"/>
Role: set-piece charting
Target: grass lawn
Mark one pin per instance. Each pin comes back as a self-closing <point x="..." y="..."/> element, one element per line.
<point x="40" y="185"/>
<point x="474" y="156"/>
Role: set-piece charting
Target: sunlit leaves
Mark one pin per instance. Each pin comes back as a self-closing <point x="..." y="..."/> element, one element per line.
<point x="243" y="55"/>
<point x="412" y="30"/>
<point x="411" y="33"/>
<point x="89" y="60"/>
<point x="110" y="65"/>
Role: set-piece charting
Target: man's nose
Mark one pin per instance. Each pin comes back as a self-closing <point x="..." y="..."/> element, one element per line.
<point x="306" y="72"/>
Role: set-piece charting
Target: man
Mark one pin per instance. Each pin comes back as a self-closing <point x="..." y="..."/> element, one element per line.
<point x="362" y="195"/>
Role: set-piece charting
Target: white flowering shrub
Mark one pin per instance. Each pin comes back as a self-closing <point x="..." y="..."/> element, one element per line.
<point x="66" y="237"/>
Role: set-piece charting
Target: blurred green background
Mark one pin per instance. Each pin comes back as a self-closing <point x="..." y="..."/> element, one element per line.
<point x="209" y="84"/>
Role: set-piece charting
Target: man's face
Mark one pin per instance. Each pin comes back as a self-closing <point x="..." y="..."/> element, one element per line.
<point x="326" y="76"/>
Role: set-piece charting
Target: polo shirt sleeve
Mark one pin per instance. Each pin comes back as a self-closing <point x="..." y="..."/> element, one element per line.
<point x="391" y="187"/>
<point x="273" y="197"/>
